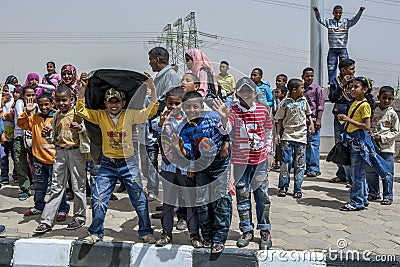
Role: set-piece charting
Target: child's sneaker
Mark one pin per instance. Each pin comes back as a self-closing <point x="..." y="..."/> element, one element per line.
<point x="77" y="223"/>
<point x="181" y="225"/>
<point x="149" y="239"/>
<point x="266" y="240"/>
<point x="42" y="228"/>
<point x="164" y="240"/>
<point x="245" y="239"/>
<point x="23" y="196"/>
<point x="61" y="216"/>
<point x="91" y="239"/>
<point x="196" y="241"/>
<point x="32" y="211"/>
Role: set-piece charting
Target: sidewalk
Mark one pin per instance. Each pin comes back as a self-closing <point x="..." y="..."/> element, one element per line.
<point x="313" y="223"/>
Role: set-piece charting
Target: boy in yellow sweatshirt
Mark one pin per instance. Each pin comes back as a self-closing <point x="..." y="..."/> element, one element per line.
<point x="119" y="160"/>
<point x="42" y="151"/>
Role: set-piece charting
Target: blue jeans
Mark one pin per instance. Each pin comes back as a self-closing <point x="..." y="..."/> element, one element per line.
<point x="5" y="162"/>
<point x="292" y="151"/>
<point x="153" y="181"/>
<point x="42" y="175"/>
<point x="312" y="151"/>
<point x="387" y="182"/>
<point x="214" y="202"/>
<point x="359" y="187"/>
<point x="332" y="60"/>
<point x="112" y="170"/>
<point x="244" y="174"/>
<point x="338" y="128"/>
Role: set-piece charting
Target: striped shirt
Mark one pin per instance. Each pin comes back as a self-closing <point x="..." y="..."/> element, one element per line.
<point x="252" y="134"/>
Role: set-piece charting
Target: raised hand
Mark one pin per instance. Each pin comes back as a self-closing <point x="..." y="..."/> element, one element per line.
<point x="163" y="117"/>
<point x="30" y="105"/>
<point x="220" y="107"/>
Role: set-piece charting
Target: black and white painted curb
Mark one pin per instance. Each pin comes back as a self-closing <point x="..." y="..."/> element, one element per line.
<point x="56" y="252"/>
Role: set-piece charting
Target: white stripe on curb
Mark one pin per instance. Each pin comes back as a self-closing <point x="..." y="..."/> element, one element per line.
<point x="42" y="252"/>
<point x="170" y="255"/>
<point x="286" y="258"/>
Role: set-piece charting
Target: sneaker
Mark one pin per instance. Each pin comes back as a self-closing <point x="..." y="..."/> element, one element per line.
<point x="266" y="240"/>
<point x="312" y="174"/>
<point x="349" y="207"/>
<point x="113" y="197"/>
<point x="2" y="229"/>
<point x="159" y="208"/>
<point x="121" y="188"/>
<point x="207" y="243"/>
<point x="61" y="216"/>
<point x="164" y="240"/>
<point x="5" y="182"/>
<point x="32" y="211"/>
<point x="196" y="241"/>
<point x="42" y="228"/>
<point x="149" y="239"/>
<point x="245" y="239"/>
<point x="23" y="196"/>
<point x="91" y="239"/>
<point x="77" y="223"/>
<point x="181" y="225"/>
<point x="156" y="215"/>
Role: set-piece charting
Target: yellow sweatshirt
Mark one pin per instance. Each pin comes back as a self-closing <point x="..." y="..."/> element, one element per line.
<point x="116" y="140"/>
<point x="41" y="149"/>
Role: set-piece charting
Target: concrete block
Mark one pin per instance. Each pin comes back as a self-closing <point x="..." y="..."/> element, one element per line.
<point x="7" y="249"/>
<point x="286" y="258"/>
<point x="145" y="255"/>
<point x="101" y="254"/>
<point x="229" y="257"/>
<point x="42" y="252"/>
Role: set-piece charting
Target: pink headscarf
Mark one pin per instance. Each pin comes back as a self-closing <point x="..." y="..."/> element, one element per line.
<point x="74" y="85"/>
<point x="201" y="60"/>
<point x="31" y="76"/>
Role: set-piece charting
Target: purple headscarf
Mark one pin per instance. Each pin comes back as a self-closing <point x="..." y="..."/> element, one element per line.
<point x="31" y="76"/>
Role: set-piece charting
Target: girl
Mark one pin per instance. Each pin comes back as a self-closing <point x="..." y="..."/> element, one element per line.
<point x="69" y="77"/>
<point x="11" y="79"/>
<point x="33" y="80"/>
<point x="51" y="77"/>
<point x="357" y="138"/>
<point x="200" y="65"/>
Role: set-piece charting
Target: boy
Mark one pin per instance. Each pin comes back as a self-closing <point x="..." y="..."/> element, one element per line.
<point x="119" y="160"/>
<point x="175" y="178"/>
<point x="384" y="129"/>
<point x="69" y="162"/>
<point x="281" y="79"/>
<point x="201" y="142"/>
<point x="316" y="100"/>
<point x="339" y="93"/>
<point x="42" y="151"/>
<point x="338" y="33"/>
<point x="263" y="88"/>
<point x="280" y="93"/>
<point x="291" y="115"/>
<point x="252" y="141"/>
<point x="227" y="82"/>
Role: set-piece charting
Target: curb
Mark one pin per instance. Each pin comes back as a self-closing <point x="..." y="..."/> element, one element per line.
<point x="57" y="252"/>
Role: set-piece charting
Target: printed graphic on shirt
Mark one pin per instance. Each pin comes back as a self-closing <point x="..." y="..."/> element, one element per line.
<point x="116" y="139"/>
<point x="298" y="110"/>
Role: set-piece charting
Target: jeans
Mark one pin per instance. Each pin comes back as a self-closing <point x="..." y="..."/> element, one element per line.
<point x="387" y="181"/>
<point x="214" y="201"/>
<point x="41" y="181"/>
<point x="112" y="170"/>
<point x="359" y="187"/>
<point x="153" y="181"/>
<point x="21" y="165"/>
<point x="255" y="178"/>
<point x="292" y="151"/>
<point x="338" y="128"/>
<point x="312" y="151"/>
<point x="5" y="162"/>
<point x="332" y="61"/>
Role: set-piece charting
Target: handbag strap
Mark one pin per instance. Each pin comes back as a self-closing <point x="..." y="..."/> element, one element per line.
<point x="352" y="113"/>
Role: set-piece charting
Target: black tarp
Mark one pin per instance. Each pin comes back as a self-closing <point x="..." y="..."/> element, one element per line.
<point x="127" y="81"/>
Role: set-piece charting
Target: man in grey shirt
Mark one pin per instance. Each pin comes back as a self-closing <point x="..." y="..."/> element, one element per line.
<point x="338" y="33"/>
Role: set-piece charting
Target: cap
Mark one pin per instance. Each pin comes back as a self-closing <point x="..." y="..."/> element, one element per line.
<point x="112" y="93"/>
<point x="245" y="81"/>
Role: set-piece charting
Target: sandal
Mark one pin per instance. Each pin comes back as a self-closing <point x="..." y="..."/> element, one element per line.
<point x="217" y="248"/>
<point x="297" y="195"/>
<point x="387" y="201"/>
<point x="282" y="194"/>
<point x="207" y="243"/>
<point x="336" y="180"/>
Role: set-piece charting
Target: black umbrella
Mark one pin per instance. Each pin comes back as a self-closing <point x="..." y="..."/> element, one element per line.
<point x="128" y="81"/>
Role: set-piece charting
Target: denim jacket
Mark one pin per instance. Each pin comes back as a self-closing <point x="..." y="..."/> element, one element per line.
<point x="362" y="139"/>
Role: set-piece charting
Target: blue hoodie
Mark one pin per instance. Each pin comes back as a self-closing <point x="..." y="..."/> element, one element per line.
<point x="264" y="94"/>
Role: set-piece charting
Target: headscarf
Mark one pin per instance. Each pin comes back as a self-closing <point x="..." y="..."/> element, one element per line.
<point x="201" y="60"/>
<point x="31" y="76"/>
<point x="74" y="85"/>
<point x="11" y="79"/>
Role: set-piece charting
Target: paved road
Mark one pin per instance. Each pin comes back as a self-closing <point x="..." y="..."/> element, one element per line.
<point x="311" y="223"/>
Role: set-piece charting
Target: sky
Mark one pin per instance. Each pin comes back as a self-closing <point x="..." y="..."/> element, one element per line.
<point x="271" y="35"/>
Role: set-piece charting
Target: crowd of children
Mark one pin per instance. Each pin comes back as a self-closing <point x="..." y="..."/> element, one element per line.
<point x="250" y="127"/>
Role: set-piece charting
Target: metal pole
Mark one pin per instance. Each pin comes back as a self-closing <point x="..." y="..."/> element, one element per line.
<point x="316" y="44"/>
